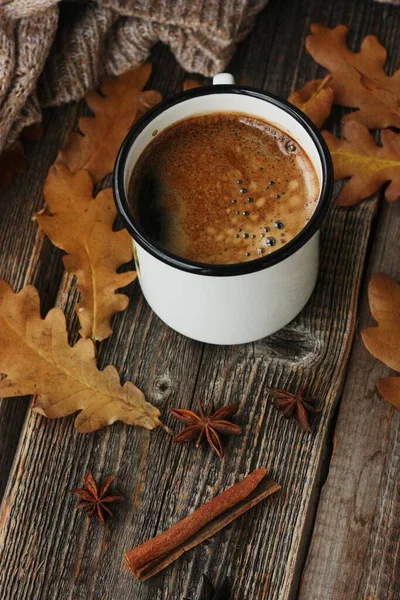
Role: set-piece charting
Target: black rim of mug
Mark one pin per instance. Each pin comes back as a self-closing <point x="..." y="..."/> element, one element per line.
<point x="243" y="268"/>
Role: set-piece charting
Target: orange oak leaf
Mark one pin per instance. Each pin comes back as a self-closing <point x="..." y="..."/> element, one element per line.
<point x="35" y="358"/>
<point x="12" y="161"/>
<point x="383" y="341"/>
<point x="368" y="165"/>
<point x="120" y="102"/>
<point x="358" y="78"/>
<point x="315" y="99"/>
<point x="82" y="226"/>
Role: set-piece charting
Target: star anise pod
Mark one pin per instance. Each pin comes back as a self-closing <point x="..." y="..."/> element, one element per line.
<point x="94" y="502"/>
<point x="209" y="426"/>
<point x="296" y="406"/>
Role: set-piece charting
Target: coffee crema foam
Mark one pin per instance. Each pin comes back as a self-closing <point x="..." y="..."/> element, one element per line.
<point x="223" y="188"/>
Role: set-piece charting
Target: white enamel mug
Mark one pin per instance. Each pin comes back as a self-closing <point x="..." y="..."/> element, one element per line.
<point x="235" y="303"/>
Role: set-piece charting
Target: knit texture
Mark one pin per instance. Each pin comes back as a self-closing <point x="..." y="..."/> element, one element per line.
<point x="53" y="52"/>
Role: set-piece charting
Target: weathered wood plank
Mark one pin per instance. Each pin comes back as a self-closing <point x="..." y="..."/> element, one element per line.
<point x="26" y="255"/>
<point x="353" y="554"/>
<point x="48" y="550"/>
<point x="355" y="549"/>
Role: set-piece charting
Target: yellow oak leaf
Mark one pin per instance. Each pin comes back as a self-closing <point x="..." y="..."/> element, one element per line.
<point x="383" y="341"/>
<point x="82" y="226"/>
<point x="358" y="78"/>
<point x="315" y="99"/>
<point x="368" y="165"/>
<point x="35" y="358"/>
<point x="120" y="102"/>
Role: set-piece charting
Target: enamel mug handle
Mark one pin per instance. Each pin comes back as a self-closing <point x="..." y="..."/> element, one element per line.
<point x="223" y="78"/>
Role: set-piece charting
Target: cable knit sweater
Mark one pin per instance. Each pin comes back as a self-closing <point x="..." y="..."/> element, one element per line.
<point x="53" y="52"/>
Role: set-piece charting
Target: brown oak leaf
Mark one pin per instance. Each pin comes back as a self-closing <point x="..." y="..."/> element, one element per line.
<point x="82" y="226"/>
<point x="120" y="102"/>
<point x="190" y="84"/>
<point x="389" y="387"/>
<point x="12" y="161"/>
<point x="315" y="99"/>
<point x="358" y="78"/>
<point x="383" y="341"/>
<point x="368" y="165"/>
<point x="33" y="132"/>
<point x="35" y="358"/>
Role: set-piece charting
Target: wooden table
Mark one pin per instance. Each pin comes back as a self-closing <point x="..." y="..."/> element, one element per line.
<point x="333" y="531"/>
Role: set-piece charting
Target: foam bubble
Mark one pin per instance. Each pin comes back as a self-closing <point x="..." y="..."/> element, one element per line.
<point x="202" y="172"/>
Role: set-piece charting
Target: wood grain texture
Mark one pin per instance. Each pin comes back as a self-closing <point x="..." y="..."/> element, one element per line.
<point x="355" y="549"/>
<point x="26" y="255"/>
<point x="48" y="550"/>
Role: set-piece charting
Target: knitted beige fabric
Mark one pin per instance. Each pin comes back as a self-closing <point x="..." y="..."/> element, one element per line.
<point x="53" y="52"/>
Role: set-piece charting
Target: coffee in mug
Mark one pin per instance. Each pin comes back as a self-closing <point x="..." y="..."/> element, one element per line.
<point x="223" y="188"/>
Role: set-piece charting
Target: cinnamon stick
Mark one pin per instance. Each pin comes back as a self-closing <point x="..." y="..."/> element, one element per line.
<point x="157" y="553"/>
